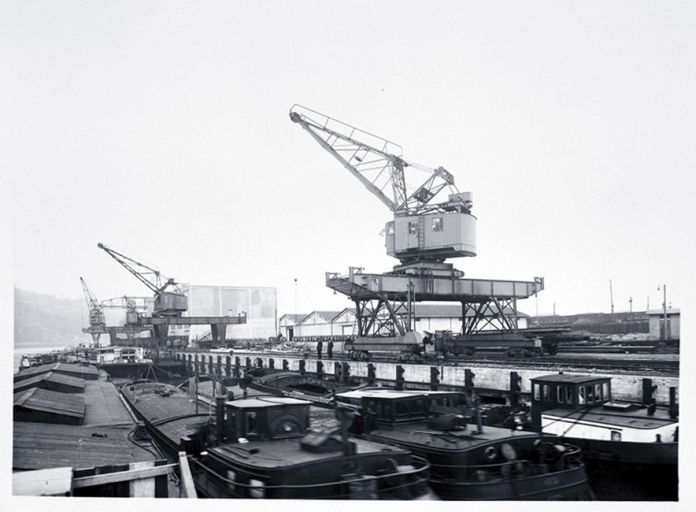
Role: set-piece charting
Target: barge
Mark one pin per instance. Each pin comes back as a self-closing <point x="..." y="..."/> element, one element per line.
<point x="470" y="462"/>
<point x="262" y="447"/>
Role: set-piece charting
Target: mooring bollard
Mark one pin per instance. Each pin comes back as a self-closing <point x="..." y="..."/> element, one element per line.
<point x="434" y="378"/>
<point x="515" y="389"/>
<point x="399" y="377"/>
<point x="345" y="372"/>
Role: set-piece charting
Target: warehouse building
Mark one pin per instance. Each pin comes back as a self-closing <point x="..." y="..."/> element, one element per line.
<point x="656" y="324"/>
<point x="288" y="324"/>
<point x="428" y="317"/>
<point x="258" y="303"/>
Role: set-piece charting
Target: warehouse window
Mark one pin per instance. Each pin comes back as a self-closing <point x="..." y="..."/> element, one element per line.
<point x="537" y="394"/>
<point x="605" y="390"/>
<point x="598" y="392"/>
<point x="412" y="228"/>
<point x="581" y="395"/>
<point x="437" y="224"/>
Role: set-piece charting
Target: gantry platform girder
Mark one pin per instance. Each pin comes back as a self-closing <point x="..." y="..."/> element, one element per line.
<point x="383" y="302"/>
<point x="218" y="324"/>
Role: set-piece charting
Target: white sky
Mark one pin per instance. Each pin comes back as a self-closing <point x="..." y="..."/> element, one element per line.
<point x="162" y="130"/>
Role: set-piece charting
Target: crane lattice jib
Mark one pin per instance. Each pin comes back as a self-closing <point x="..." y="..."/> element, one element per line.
<point x="125" y="302"/>
<point x="150" y="277"/>
<point x="376" y="162"/>
<point x="92" y="302"/>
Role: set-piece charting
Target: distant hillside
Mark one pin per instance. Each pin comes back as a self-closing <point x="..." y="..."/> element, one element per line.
<point x="44" y="320"/>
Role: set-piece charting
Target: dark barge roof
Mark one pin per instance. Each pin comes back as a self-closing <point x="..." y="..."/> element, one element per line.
<point x="52" y="406"/>
<point x="156" y="408"/>
<point x="284" y="453"/>
<point x="76" y="446"/>
<point x="174" y="416"/>
<point x="73" y="370"/>
<point x="52" y="381"/>
<point x="567" y="378"/>
<point x="101" y="440"/>
<point x="449" y="441"/>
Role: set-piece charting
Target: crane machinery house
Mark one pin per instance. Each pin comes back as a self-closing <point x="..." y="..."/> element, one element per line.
<point x="449" y="232"/>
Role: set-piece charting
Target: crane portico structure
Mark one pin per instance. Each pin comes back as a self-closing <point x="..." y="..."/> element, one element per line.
<point x="422" y="235"/>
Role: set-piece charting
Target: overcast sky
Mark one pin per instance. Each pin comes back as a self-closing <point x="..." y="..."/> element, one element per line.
<point x="162" y="130"/>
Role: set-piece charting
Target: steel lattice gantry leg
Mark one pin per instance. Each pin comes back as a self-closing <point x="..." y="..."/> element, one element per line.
<point x="494" y="314"/>
<point x="382" y="317"/>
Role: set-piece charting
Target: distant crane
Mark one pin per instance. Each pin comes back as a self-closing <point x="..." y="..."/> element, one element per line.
<point x="170" y="300"/>
<point x="97" y="320"/>
<point x="134" y="306"/>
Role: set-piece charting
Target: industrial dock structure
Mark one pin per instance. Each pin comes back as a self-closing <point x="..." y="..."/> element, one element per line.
<point x="428" y="385"/>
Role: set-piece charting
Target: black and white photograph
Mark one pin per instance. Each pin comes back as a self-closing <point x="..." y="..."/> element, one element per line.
<point x="289" y="252"/>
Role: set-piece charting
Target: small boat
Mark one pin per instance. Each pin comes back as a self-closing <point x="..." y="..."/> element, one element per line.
<point x="616" y="437"/>
<point x="262" y="447"/>
<point x="469" y="462"/>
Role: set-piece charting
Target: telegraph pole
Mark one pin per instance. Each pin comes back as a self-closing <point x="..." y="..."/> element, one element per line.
<point x="295" y="299"/>
<point x="630" y="304"/>
<point x="611" y="296"/>
<point x="664" y="310"/>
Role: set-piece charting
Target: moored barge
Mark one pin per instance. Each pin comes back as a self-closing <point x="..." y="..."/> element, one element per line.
<point x="262" y="447"/>
<point x="470" y="462"/>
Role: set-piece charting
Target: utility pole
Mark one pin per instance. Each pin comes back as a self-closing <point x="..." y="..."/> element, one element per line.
<point x="295" y="299"/>
<point x="664" y="310"/>
<point x="611" y="297"/>
<point x="647" y="304"/>
<point x="536" y="301"/>
<point x="630" y="304"/>
<point x="554" y="309"/>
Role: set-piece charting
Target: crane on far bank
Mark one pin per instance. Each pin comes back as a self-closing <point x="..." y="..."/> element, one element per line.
<point x="97" y="320"/>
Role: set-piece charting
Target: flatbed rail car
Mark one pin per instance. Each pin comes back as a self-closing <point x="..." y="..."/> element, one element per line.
<point x="414" y="347"/>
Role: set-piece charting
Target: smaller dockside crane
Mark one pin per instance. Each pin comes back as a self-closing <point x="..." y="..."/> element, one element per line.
<point x="170" y="300"/>
<point x="97" y="321"/>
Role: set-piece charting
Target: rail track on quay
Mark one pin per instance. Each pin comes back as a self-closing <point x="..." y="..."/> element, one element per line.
<point x="608" y="363"/>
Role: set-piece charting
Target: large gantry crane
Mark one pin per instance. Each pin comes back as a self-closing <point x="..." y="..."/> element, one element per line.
<point x="170" y="302"/>
<point x="423" y="234"/>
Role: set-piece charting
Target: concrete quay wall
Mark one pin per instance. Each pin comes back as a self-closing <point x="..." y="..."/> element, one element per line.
<point x="624" y="386"/>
